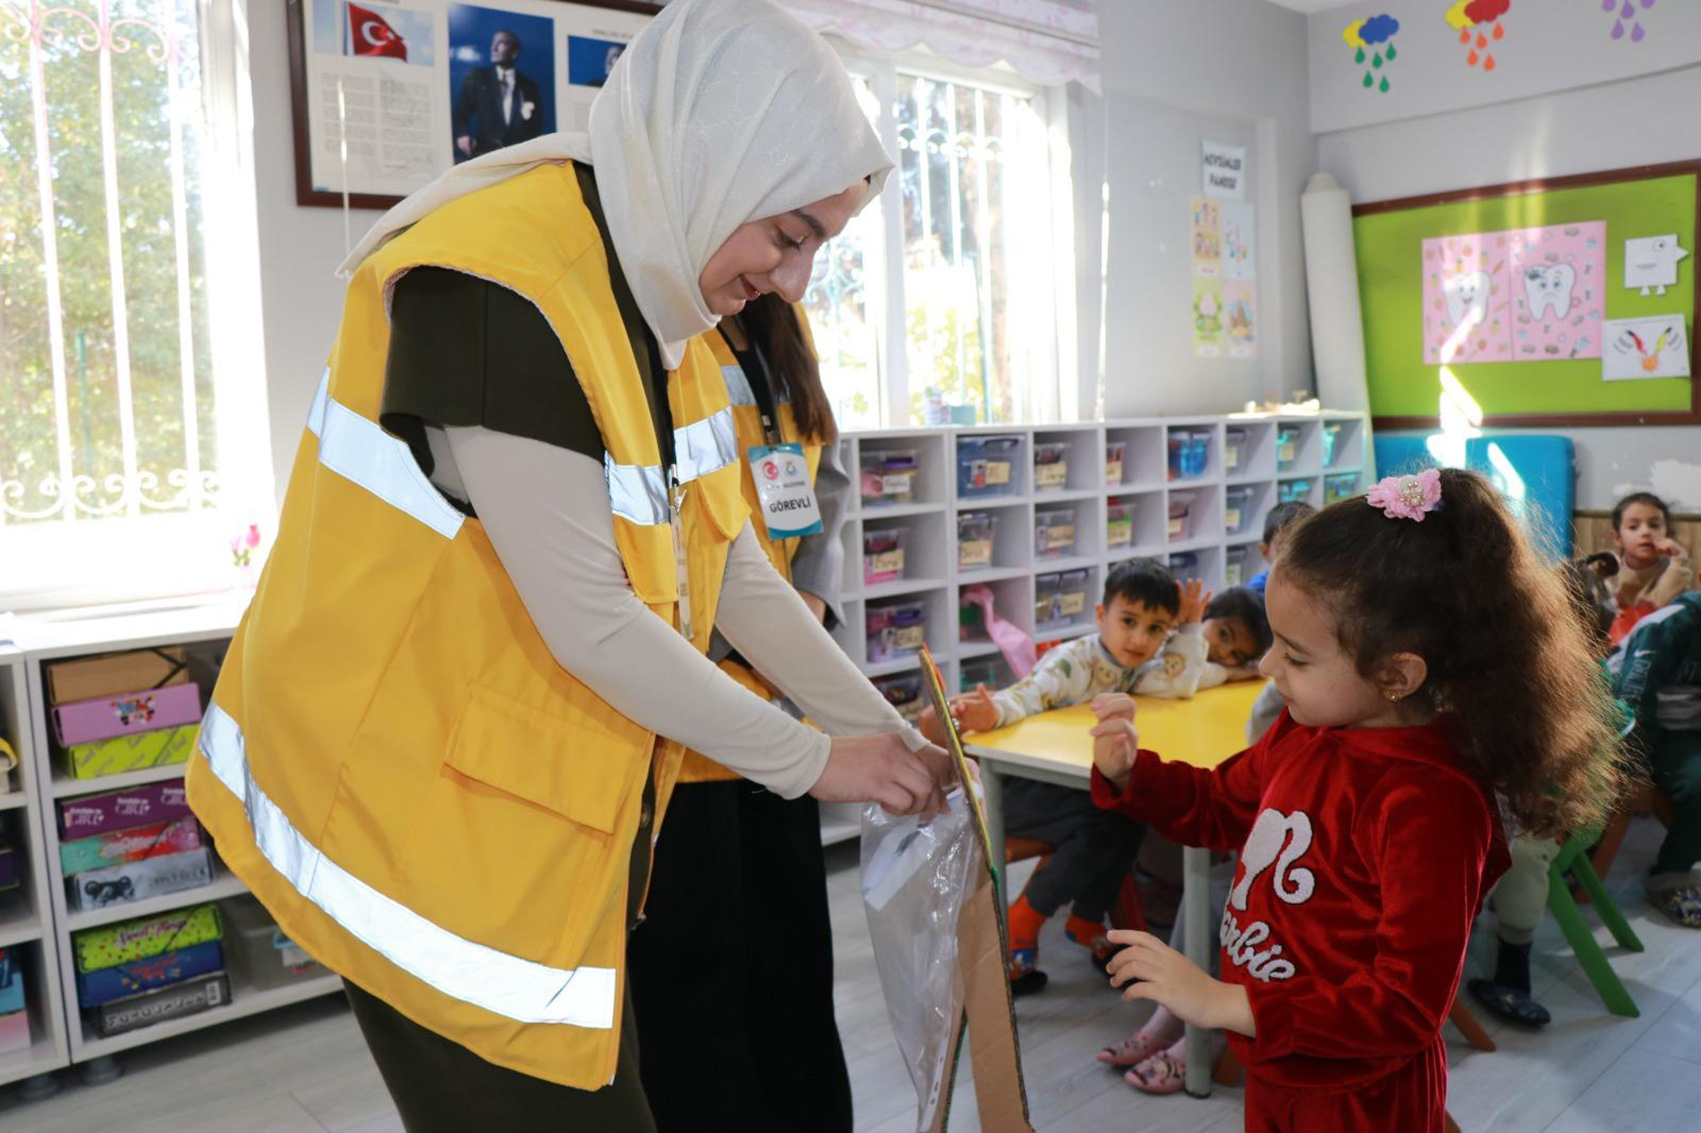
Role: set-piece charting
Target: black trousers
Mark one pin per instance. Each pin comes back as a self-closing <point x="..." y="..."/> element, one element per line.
<point x="440" y="1086"/>
<point x="731" y="970"/>
<point x="1094" y="848"/>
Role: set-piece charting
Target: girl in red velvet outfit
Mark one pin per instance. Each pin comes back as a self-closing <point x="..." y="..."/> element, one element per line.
<point x="1428" y="663"/>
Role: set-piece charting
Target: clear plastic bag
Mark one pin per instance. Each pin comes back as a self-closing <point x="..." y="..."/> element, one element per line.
<point x="916" y="874"/>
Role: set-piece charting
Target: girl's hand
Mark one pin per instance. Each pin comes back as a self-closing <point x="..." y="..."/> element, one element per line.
<point x="1153" y="970"/>
<point x="1113" y="705"/>
<point x="1669" y="548"/>
<point x="1194" y="599"/>
<point x="1115" y="743"/>
<point x="975" y="711"/>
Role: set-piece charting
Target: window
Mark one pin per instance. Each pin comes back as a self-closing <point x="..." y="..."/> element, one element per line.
<point x="936" y="304"/>
<point x="132" y="440"/>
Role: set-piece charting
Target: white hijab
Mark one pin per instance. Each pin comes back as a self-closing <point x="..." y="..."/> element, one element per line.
<point x="719" y="113"/>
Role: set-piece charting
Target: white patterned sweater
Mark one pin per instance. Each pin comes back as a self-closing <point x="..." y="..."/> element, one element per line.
<point x="1076" y="672"/>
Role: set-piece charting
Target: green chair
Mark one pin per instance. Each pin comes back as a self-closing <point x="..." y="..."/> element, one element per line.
<point x="1574" y="858"/>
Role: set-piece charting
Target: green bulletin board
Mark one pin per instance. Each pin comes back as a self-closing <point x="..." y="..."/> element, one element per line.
<point x="1405" y="392"/>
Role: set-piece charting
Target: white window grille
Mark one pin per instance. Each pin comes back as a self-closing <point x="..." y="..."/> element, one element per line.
<point x="937" y="303"/>
<point x="132" y="445"/>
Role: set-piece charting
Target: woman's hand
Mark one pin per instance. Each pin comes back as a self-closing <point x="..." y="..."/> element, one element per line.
<point x="1151" y="969"/>
<point x="1115" y="744"/>
<point x="975" y="711"/>
<point x="882" y="769"/>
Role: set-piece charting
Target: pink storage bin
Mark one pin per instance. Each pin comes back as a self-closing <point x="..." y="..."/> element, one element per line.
<point x="89" y="720"/>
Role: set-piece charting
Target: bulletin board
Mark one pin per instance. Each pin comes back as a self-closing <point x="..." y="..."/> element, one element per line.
<point x="1405" y="390"/>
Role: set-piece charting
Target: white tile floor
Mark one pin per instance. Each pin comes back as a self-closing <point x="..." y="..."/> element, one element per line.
<point x="305" y="1069"/>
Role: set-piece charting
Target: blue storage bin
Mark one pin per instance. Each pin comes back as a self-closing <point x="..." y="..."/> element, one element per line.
<point x="986" y="466"/>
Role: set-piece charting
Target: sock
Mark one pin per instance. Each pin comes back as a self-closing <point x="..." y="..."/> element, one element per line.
<point x="1083" y="931"/>
<point x="1025" y="924"/>
<point x="1512" y="969"/>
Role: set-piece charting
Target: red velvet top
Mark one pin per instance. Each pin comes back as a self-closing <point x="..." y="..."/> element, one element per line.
<point x="1364" y="856"/>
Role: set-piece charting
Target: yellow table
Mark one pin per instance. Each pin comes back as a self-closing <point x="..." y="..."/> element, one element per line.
<point x="1056" y="747"/>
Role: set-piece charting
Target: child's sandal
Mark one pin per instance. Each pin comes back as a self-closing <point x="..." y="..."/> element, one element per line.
<point x="1133" y="1050"/>
<point x="1509" y="1003"/>
<point x="1682" y="904"/>
<point x="1025" y="977"/>
<point x="1162" y="1073"/>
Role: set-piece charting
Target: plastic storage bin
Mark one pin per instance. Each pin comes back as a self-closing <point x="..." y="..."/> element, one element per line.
<point x="1051" y="466"/>
<point x="883" y="554"/>
<point x="895" y="630"/>
<point x="257" y="948"/>
<point x="1341" y="487"/>
<point x="1113" y="454"/>
<point x="1293" y="491"/>
<point x="1331" y="442"/>
<point x="1054" y="532"/>
<point x="975" y="673"/>
<point x="1183" y="565"/>
<point x="889" y="476"/>
<point x="1060" y="598"/>
<point x="1119" y="523"/>
<point x="986" y="466"/>
<point x="903" y="692"/>
<point x="1189" y="453"/>
<point x="1287" y="447"/>
<point x="1237" y="510"/>
<point x="1180" y="516"/>
<point x="975" y="532"/>
<point x="1234" y="450"/>
<point x="1234" y="566"/>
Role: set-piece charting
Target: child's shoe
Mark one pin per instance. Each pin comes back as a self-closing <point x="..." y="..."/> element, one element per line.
<point x="1681" y="903"/>
<point x="1025" y="923"/>
<point x="1162" y="1073"/>
<point x="1135" y="1049"/>
<point x="1091" y="936"/>
<point x="1025" y="978"/>
<point x="1509" y="1003"/>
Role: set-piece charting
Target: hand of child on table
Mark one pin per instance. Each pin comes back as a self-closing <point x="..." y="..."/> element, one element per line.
<point x="1194" y="599"/>
<point x="1115" y="743"/>
<point x="1110" y="705"/>
<point x="1153" y="970"/>
<point x="975" y="711"/>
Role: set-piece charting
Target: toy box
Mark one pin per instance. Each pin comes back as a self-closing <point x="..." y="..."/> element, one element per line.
<point x="140" y="880"/>
<point x="116" y="847"/>
<point x="126" y="714"/>
<point x="119" y="754"/>
<point x="89" y="815"/>
<point x="191" y="997"/>
<point x="125" y="980"/>
<point x="114" y="944"/>
<point x="109" y="674"/>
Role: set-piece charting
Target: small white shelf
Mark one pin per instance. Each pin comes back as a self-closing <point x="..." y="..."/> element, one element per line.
<point x="225" y="885"/>
<point x="991" y="574"/>
<point x="1067" y="562"/>
<point x="1066" y="494"/>
<point x="13" y="800"/>
<point x="898" y="511"/>
<point x="897" y="665"/>
<point x="20" y="930"/>
<point x="1065" y="633"/>
<point x="41" y="1057"/>
<point x="64" y="786"/>
<point x="244" y="1001"/>
<point x="970" y="650"/>
<point x="901" y="586"/>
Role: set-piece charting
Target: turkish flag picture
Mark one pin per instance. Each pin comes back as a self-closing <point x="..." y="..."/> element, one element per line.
<point x="370" y="34"/>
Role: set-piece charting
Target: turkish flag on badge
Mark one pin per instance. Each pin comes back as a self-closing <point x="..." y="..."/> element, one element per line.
<point x="370" y="34"/>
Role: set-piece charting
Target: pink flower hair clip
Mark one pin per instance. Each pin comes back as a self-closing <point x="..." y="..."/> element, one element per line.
<point x="1407" y="497"/>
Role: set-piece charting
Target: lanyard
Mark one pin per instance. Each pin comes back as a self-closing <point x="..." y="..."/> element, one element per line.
<point x="661" y="412"/>
<point x="759" y="377"/>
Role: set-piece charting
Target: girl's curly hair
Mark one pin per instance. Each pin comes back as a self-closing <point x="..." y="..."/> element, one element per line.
<point x="1509" y="664"/>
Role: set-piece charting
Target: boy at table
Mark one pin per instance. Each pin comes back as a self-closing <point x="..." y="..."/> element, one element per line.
<point x="1155" y="639"/>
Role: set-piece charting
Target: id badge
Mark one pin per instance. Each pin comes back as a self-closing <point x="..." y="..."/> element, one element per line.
<point x="781" y="475"/>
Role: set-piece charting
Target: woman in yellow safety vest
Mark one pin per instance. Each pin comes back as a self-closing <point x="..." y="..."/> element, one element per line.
<point x="448" y="727"/>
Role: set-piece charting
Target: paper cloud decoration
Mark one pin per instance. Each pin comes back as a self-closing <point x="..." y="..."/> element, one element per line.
<point x="1378" y="29"/>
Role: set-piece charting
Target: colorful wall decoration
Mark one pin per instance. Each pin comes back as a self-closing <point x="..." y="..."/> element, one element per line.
<point x="1372" y="41"/>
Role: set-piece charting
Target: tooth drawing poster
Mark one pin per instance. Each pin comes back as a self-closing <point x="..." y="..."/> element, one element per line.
<point x="1558" y="291"/>
<point x="1467" y="299"/>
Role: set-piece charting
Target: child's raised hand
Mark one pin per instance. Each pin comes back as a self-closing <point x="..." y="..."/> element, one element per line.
<point x="1150" y="969"/>
<point x="1115" y="743"/>
<point x="975" y="711"/>
<point x="1110" y="705"/>
<point x="1194" y="599"/>
<point x="1669" y="548"/>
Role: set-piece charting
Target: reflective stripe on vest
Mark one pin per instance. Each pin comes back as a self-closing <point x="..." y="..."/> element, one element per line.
<point x="738" y="391"/>
<point x="638" y="492"/>
<point x="501" y="983"/>
<point x="361" y="451"/>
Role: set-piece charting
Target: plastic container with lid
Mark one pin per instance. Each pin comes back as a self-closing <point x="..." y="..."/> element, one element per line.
<point x="896" y="629"/>
<point x="1234" y="449"/>
<point x="1180" y="516"/>
<point x="1341" y="486"/>
<point x="1237" y="510"/>
<point x="1234" y="566"/>
<point x="1331" y="442"/>
<point x="975" y="533"/>
<point x="1054" y="532"/>
<point x="1051" y="466"/>
<point x="1119" y="523"/>
<point x="1293" y="491"/>
<point x="1113" y="454"/>
<point x="1183" y="564"/>
<point x="903" y="692"/>
<point x="1287" y="447"/>
<point x="1060" y="599"/>
<point x="979" y="672"/>
<point x="883" y="554"/>
<point x="256" y="947"/>
<point x="889" y="476"/>
<point x="986" y="466"/>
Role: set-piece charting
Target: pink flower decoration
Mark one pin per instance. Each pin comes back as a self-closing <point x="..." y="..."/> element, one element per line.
<point x="1407" y="497"/>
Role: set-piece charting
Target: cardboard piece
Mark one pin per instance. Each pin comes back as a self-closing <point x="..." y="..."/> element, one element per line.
<point x="111" y="945"/>
<point x="90" y="678"/>
<point x="989" y="1011"/>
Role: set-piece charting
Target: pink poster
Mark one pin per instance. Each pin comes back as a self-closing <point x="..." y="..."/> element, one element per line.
<point x="1467" y="292"/>
<point x="1558" y="288"/>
